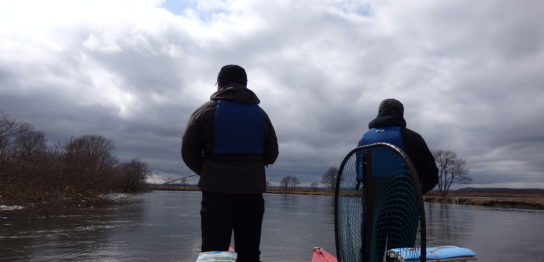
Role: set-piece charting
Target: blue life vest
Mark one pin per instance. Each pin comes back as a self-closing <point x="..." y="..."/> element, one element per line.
<point x="391" y="135"/>
<point x="238" y="128"/>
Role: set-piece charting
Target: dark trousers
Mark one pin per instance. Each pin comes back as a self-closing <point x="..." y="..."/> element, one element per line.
<point x="223" y="213"/>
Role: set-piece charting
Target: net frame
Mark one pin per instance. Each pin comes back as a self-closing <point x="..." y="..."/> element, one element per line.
<point x="366" y="194"/>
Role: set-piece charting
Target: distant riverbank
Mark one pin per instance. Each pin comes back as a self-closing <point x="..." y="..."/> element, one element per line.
<point x="271" y="190"/>
<point x="527" y="201"/>
<point x="506" y="200"/>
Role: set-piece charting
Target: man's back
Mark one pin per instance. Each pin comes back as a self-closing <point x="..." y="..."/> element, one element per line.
<point x="216" y="143"/>
<point x="390" y="114"/>
<point x="228" y="142"/>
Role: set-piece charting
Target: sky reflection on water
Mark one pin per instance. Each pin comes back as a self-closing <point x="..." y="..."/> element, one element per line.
<point x="165" y="226"/>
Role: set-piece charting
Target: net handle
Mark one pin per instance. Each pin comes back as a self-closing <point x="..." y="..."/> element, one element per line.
<point x="369" y="205"/>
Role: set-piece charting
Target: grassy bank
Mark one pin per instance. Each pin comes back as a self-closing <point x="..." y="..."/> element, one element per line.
<point x="506" y="200"/>
<point x="303" y="191"/>
<point x="527" y="201"/>
<point x="271" y="190"/>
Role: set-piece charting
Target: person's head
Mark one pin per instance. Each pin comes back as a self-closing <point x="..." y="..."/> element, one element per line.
<point x="391" y="105"/>
<point x="230" y="74"/>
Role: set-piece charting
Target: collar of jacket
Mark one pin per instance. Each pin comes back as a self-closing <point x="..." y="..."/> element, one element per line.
<point x="388" y="118"/>
<point x="236" y="93"/>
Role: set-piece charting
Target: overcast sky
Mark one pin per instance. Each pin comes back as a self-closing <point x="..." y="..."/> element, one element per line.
<point x="469" y="73"/>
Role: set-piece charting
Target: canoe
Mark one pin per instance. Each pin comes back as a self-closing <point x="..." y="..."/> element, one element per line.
<point x="320" y="255"/>
<point x="439" y="253"/>
<point x="434" y="254"/>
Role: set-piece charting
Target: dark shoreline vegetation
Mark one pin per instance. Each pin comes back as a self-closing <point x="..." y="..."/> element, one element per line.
<point x="507" y="201"/>
<point x="506" y="198"/>
<point x="37" y="180"/>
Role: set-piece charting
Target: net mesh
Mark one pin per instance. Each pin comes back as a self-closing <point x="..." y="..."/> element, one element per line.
<point x="378" y="205"/>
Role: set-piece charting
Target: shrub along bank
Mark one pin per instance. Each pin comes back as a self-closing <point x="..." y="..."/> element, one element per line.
<point x="45" y="181"/>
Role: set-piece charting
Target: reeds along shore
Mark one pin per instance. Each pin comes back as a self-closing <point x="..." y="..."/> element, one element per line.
<point x="506" y="200"/>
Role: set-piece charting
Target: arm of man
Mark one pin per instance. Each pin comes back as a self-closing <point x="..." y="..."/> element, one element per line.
<point x="422" y="158"/>
<point x="192" y="145"/>
<point x="270" y="147"/>
<point x="430" y="171"/>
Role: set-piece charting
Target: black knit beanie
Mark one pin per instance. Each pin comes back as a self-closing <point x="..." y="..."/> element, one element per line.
<point x="391" y="104"/>
<point x="232" y="73"/>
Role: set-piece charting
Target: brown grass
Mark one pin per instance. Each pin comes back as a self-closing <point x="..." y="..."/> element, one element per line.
<point x="495" y="195"/>
<point x="322" y="192"/>
<point x="507" y="200"/>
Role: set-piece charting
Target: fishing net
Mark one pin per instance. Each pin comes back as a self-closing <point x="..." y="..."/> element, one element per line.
<point x="378" y="205"/>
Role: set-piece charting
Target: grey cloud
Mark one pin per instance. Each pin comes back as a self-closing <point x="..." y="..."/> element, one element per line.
<point x="469" y="77"/>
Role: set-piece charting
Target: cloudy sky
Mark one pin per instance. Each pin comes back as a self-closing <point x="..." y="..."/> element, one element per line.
<point x="470" y="74"/>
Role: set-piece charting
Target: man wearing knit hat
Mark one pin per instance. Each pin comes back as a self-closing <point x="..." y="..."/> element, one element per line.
<point x="228" y="142"/>
<point x="390" y="124"/>
<point x="390" y="127"/>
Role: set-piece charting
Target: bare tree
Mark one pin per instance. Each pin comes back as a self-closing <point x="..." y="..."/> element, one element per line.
<point x="133" y="174"/>
<point x="92" y="149"/>
<point x="294" y="182"/>
<point x="314" y="186"/>
<point x="22" y="157"/>
<point x="329" y="177"/>
<point x="89" y="164"/>
<point x="289" y="182"/>
<point x="29" y="172"/>
<point x="451" y="170"/>
<point x="10" y="131"/>
<point x="284" y="183"/>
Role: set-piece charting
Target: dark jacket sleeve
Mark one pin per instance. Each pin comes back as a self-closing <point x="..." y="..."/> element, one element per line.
<point x="192" y="145"/>
<point x="422" y="158"/>
<point x="270" y="147"/>
<point x="430" y="171"/>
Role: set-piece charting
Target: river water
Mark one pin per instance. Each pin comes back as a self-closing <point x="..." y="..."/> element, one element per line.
<point x="165" y="226"/>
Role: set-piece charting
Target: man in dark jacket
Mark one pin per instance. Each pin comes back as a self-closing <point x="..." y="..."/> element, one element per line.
<point x="391" y="117"/>
<point x="228" y="142"/>
<point x="390" y="127"/>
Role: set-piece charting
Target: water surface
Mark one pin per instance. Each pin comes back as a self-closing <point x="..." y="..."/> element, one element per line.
<point x="165" y="226"/>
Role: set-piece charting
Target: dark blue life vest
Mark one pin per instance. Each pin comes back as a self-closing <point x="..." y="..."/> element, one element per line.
<point x="238" y="128"/>
<point x="391" y="135"/>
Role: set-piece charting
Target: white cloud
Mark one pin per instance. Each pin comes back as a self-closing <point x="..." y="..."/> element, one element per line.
<point x="468" y="74"/>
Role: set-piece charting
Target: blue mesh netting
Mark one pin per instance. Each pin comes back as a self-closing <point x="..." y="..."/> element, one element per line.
<point x="378" y="207"/>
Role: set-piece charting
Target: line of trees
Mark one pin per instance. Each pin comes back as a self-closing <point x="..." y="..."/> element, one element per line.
<point x="80" y="173"/>
<point x="451" y="170"/>
<point x="328" y="179"/>
<point x="289" y="183"/>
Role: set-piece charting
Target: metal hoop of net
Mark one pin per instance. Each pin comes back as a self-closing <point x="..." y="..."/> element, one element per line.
<point x="378" y="205"/>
